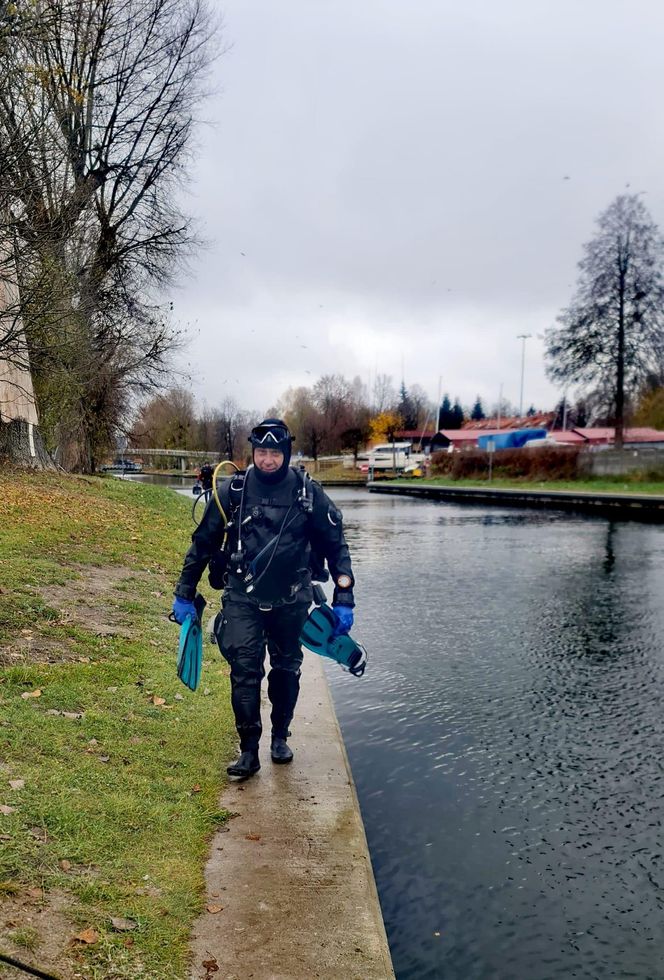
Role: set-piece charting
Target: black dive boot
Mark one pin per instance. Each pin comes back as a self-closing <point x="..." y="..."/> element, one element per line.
<point x="246" y="765"/>
<point x="280" y="750"/>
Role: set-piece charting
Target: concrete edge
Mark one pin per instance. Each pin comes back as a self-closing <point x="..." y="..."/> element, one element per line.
<point x="626" y="505"/>
<point x="290" y="890"/>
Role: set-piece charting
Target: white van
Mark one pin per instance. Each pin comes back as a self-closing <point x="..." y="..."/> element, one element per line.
<point x="389" y="455"/>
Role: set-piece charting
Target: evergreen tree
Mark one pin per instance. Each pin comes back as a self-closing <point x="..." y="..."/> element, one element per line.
<point x="446" y="415"/>
<point x="477" y="413"/>
<point x="457" y="414"/>
<point x="406" y="409"/>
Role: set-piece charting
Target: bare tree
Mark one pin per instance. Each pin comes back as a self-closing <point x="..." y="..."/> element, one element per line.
<point x="384" y="394"/>
<point x="98" y="104"/>
<point x="232" y="430"/>
<point x="166" y="421"/>
<point x="612" y="335"/>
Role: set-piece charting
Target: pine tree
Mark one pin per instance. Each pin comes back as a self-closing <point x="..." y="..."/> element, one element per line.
<point x="477" y="413"/>
<point x="446" y="415"/>
<point x="457" y="414"/>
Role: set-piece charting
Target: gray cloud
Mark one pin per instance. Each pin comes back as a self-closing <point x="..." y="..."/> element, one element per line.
<point x="411" y="181"/>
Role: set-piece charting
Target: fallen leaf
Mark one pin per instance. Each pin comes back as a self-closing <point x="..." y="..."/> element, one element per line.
<point x="123" y="925"/>
<point x="6" y="810"/>
<point x="252" y="836"/>
<point x="211" y="966"/>
<point x="35" y="893"/>
<point x="31" y="694"/>
<point x="93" y="741"/>
<point x="17" y="783"/>
<point x="213" y="909"/>
<point x="84" y="660"/>
<point x="39" y="833"/>
<point x="179" y="697"/>
<point x="149" y="890"/>
<point x="112" y="689"/>
<point x="88" y="936"/>
<point x="72" y="714"/>
<point x="196" y="788"/>
<point x="65" y="865"/>
<point x="27" y="632"/>
<point x="158" y="701"/>
<point x="104" y="758"/>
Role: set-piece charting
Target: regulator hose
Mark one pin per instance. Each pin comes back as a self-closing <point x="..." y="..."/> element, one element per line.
<point x="206" y="495"/>
<point x="33" y="971"/>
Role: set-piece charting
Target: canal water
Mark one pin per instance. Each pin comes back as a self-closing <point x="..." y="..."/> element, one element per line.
<point x="507" y="739"/>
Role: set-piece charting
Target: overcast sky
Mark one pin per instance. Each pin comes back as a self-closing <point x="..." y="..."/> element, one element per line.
<point x="387" y="182"/>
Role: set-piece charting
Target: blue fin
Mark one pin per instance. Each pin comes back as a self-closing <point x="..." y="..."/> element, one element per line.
<point x="190" y="653"/>
<point x="318" y="636"/>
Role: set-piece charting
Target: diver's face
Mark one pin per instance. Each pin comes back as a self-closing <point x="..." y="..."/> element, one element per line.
<point x="268" y="460"/>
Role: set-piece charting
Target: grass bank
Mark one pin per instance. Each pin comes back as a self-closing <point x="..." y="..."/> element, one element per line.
<point x="599" y="485"/>
<point x="110" y="769"/>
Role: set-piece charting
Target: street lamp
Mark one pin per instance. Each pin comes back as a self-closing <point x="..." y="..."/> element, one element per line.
<point x="523" y="337"/>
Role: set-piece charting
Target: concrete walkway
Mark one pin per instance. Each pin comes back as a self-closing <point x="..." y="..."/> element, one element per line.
<point x="292" y="870"/>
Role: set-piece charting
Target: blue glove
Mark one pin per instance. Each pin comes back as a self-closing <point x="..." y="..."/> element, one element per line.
<point x="344" y="615"/>
<point x="183" y="608"/>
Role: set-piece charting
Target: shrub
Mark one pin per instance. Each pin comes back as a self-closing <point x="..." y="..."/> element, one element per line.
<point x="547" y="463"/>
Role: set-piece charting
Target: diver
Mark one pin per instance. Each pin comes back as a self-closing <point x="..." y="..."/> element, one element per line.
<point x="262" y="537"/>
<point x="205" y="477"/>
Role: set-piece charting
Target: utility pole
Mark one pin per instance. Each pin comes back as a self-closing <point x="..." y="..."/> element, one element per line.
<point x="523" y="337"/>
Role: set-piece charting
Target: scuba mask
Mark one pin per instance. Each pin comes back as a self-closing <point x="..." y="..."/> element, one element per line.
<point x="272" y="434"/>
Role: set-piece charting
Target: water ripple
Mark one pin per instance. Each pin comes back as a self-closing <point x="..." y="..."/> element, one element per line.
<point x="507" y="740"/>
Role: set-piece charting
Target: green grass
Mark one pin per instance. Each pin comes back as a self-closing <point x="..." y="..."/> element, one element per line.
<point x="120" y="798"/>
<point x="599" y="485"/>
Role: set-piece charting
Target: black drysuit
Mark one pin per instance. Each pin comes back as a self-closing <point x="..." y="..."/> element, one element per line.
<point x="268" y="591"/>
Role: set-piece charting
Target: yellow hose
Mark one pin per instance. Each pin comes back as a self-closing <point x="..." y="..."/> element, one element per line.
<point x="224" y="462"/>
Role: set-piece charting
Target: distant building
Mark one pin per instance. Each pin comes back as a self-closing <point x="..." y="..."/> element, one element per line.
<point x="17" y="396"/>
<point x="419" y="440"/>
<point x="466" y="438"/>
<point x="544" y="420"/>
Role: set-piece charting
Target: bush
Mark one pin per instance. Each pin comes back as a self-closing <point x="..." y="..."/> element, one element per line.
<point x="548" y="463"/>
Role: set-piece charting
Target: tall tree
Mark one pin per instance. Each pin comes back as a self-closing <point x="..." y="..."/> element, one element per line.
<point x="384" y="396"/>
<point x="304" y="419"/>
<point x="612" y="334"/>
<point x="97" y="107"/>
<point x="446" y="418"/>
<point x="477" y="413"/>
<point x="166" y="421"/>
<point x="457" y="414"/>
<point x="406" y="409"/>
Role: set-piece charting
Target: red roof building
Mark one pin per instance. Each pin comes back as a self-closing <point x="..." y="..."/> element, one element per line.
<point x="466" y="438"/>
